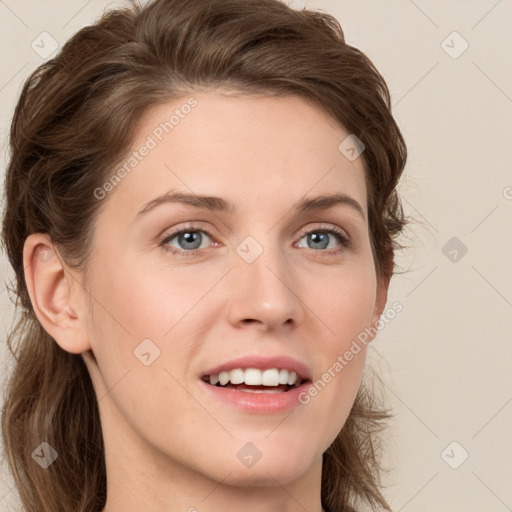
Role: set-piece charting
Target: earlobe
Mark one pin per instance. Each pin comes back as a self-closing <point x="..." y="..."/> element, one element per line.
<point x="55" y="302"/>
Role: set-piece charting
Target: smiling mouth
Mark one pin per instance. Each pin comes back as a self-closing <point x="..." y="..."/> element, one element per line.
<point x="254" y="380"/>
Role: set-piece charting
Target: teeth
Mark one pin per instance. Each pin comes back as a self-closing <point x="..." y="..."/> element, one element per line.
<point x="237" y="376"/>
<point x="223" y="378"/>
<point x="270" y="377"/>
<point x="253" y="377"/>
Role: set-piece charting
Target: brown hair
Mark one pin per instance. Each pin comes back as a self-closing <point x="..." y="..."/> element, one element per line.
<point x="78" y="114"/>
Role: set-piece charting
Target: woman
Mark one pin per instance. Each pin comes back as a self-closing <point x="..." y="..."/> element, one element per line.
<point x="201" y="212"/>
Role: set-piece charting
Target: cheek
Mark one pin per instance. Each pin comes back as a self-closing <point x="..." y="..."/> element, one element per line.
<point x="146" y="302"/>
<point x="142" y="306"/>
<point x="344" y="301"/>
<point x="346" y="307"/>
<point x="169" y="307"/>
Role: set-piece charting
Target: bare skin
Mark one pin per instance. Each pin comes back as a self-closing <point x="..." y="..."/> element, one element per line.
<point x="170" y="445"/>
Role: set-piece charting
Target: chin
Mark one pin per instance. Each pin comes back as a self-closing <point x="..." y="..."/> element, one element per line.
<point x="248" y="465"/>
<point x="268" y="473"/>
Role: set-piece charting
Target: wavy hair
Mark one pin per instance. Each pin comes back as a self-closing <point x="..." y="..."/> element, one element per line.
<point x="77" y="116"/>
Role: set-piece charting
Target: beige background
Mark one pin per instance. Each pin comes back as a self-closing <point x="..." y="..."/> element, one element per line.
<point x="446" y="357"/>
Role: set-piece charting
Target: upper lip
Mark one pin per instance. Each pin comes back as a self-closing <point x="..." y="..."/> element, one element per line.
<point x="263" y="363"/>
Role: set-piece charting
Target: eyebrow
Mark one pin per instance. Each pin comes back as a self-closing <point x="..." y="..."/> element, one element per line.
<point x="322" y="202"/>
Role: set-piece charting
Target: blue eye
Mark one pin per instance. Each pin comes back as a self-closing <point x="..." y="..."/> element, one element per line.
<point x="319" y="238"/>
<point x="190" y="239"/>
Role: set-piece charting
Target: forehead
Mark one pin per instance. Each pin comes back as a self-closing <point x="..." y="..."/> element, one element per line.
<point x="250" y="149"/>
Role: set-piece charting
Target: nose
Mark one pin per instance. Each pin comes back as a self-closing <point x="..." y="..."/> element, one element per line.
<point x="264" y="293"/>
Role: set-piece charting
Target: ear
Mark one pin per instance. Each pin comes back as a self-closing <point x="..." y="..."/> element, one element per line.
<point x="57" y="298"/>
<point x="380" y="304"/>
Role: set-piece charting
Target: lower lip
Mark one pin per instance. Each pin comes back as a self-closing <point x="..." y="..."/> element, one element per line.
<point x="258" y="403"/>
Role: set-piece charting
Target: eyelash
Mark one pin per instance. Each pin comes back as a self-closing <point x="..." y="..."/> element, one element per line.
<point x="338" y="234"/>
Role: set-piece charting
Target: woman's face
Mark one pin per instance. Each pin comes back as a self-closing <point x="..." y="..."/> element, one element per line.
<point x="254" y="282"/>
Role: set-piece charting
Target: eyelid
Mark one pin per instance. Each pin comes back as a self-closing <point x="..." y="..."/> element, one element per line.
<point x="169" y="235"/>
<point x="324" y="227"/>
<point x="344" y="238"/>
